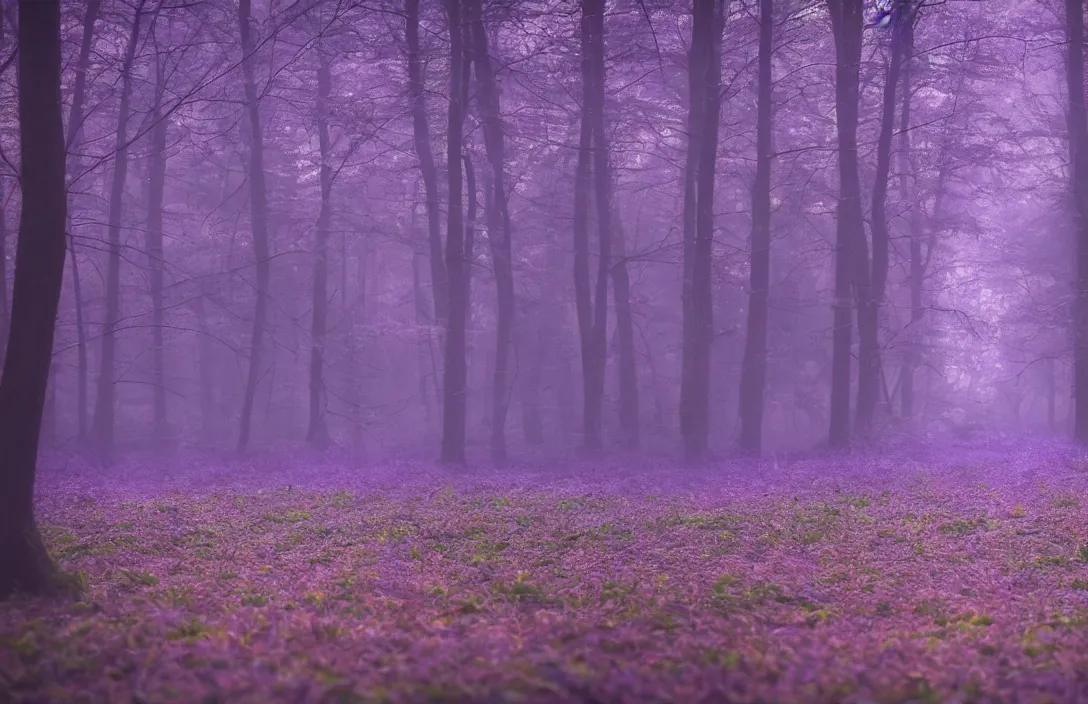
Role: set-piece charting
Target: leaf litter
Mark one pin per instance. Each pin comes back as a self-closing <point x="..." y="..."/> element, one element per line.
<point x="959" y="577"/>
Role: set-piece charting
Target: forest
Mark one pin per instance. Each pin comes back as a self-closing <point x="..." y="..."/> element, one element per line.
<point x="543" y="351"/>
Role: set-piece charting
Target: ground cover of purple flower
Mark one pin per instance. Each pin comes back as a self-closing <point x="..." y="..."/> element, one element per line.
<point x="949" y="576"/>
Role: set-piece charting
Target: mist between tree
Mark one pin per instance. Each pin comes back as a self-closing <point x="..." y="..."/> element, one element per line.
<point x="366" y="246"/>
<point x="263" y="252"/>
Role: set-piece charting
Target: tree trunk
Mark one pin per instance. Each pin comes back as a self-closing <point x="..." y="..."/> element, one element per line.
<point x="707" y="25"/>
<point x="498" y="228"/>
<point x="356" y="313"/>
<point x="908" y="187"/>
<point x="156" y="262"/>
<point x="753" y="376"/>
<point x="583" y="295"/>
<point x="5" y="319"/>
<point x="532" y="346"/>
<point x="869" y="317"/>
<point x="318" y="433"/>
<point x="422" y="334"/>
<point x="39" y="272"/>
<point x="1051" y="396"/>
<point x="422" y="140"/>
<point x="545" y="345"/>
<point x="5" y="305"/>
<point x="625" y="331"/>
<point x="76" y="116"/>
<point x="1078" y="146"/>
<point x="471" y="190"/>
<point x="258" y="205"/>
<point x="566" y="401"/>
<point x="424" y="356"/>
<point x="470" y="222"/>
<point x="105" y="403"/>
<point x="82" y="364"/>
<point x="5" y="311"/>
<point x="851" y="250"/>
<point x="602" y="190"/>
<point x="206" y="357"/>
<point x="920" y="261"/>
<point x="455" y="371"/>
<point x="610" y="244"/>
<point x="696" y="88"/>
<point x="74" y="166"/>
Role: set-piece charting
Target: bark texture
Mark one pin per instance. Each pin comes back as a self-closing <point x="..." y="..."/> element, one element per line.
<point x="1078" y="147"/>
<point x="39" y="271"/>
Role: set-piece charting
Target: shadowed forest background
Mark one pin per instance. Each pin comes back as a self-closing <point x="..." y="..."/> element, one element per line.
<point x="262" y="243"/>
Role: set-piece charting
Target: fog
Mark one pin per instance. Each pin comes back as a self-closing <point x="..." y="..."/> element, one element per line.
<point x="174" y="243"/>
<point x="611" y="350"/>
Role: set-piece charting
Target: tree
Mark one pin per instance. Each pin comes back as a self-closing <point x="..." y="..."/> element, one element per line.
<point x="602" y="191"/>
<point x="421" y="139"/>
<point x="594" y="176"/>
<point x="455" y="372"/>
<point x="73" y="138"/>
<point x="498" y="225"/>
<point x="39" y="271"/>
<point x="611" y="263"/>
<point x="1077" y="117"/>
<point x="908" y="188"/>
<point x="105" y="405"/>
<point x="753" y="375"/>
<point x="105" y="393"/>
<point x="627" y="370"/>
<point x="592" y="380"/>
<point x="705" y="77"/>
<point x="258" y="208"/>
<point x="869" y="370"/>
<point x="154" y="243"/>
<point x="851" y="251"/>
<point x="4" y="305"/>
<point x="914" y="194"/>
<point x="318" y="433"/>
<point x="192" y="277"/>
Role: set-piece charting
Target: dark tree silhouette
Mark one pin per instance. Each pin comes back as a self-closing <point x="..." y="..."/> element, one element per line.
<point x="455" y="375"/>
<point x="583" y="291"/>
<point x="753" y="376"/>
<point x="705" y="78"/>
<point x="498" y="223"/>
<point x="39" y="270"/>
<point x="421" y="139"/>
<point x="851" y="252"/>
<point x="908" y="187"/>
<point x="3" y="250"/>
<point x="318" y="433"/>
<point x="156" y="262"/>
<point x="105" y="403"/>
<point x="869" y="373"/>
<point x="594" y="149"/>
<point x="258" y="205"/>
<point x="1078" y="148"/>
<point x="73" y="137"/>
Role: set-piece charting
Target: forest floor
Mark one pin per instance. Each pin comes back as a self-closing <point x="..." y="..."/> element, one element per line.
<point x="953" y="577"/>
